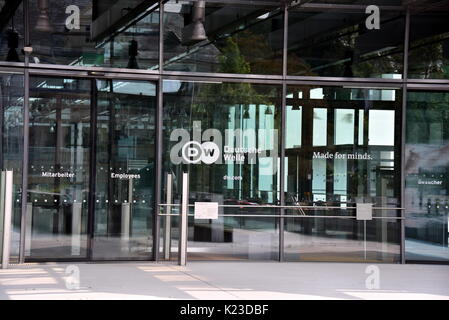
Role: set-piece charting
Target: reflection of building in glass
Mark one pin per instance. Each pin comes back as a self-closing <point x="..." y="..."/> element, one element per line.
<point x="311" y="111"/>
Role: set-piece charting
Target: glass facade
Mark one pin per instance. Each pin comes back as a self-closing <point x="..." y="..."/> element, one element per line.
<point x="93" y="33"/>
<point x="429" y="46"/>
<point x="249" y="120"/>
<point x="426" y="169"/>
<point x="287" y="115"/>
<point x="232" y="37"/>
<point x="329" y="42"/>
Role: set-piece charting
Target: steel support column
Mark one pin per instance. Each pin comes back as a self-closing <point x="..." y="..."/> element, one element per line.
<point x="403" y="132"/>
<point x="159" y="144"/>
<point x="282" y="136"/>
<point x="26" y="134"/>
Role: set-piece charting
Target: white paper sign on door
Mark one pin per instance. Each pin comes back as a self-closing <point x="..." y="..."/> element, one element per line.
<point x="206" y="210"/>
<point x="364" y="211"/>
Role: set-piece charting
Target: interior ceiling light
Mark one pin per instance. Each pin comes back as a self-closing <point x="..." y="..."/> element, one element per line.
<point x="246" y="114"/>
<point x="268" y="111"/>
<point x="199" y="15"/>
<point x="196" y="32"/>
<point x="43" y="21"/>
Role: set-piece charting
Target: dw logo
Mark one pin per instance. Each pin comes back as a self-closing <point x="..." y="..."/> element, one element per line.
<point x="193" y="152"/>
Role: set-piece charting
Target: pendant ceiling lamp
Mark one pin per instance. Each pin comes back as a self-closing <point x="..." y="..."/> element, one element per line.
<point x="195" y="31"/>
<point x="43" y="21"/>
<point x="199" y="14"/>
<point x="246" y="114"/>
<point x="268" y="111"/>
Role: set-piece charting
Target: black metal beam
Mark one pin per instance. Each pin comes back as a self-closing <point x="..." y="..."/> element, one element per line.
<point x="8" y="10"/>
<point x="131" y="17"/>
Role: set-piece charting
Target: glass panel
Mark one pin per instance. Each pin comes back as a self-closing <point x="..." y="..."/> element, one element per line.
<point x="341" y="240"/>
<point x="344" y="126"/>
<point x="427" y="176"/>
<point x="11" y="145"/>
<point x="340" y="177"/>
<point x="211" y="36"/>
<point x="335" y="41"/>
<point x="381" y="128"/>
<point x="122" y="34"/>
<point x="319" y="127"/>
<point x="330" y="168"/>
<point x="319" y="180"/>
<point x="244" y="171"/>
<point x="124" y="195"/>
<point x="11" y="31"/>
<point x="293" y="129"/>
<point x="234" y="238"/>
<point x="230" y="238"/>
<point x="361" y="127"/>
<point x="58" y="182"/>
<point x="429" y="41"/>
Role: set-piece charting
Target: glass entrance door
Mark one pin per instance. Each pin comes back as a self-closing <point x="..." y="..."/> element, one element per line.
<point x="427" y="176"/>
<point x="342" y="148"/>
<point x="124" y="169"/>
<point x="90" y="183"/>
<point x="59" y="159"/>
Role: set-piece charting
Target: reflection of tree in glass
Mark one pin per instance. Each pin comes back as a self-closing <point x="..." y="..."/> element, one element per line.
<point x="229" y="105"/>
<point x="263" y="59"/>
<point x="256" y="49"/>
<point x="337" y="54"/>
<point x="212" y="96"/>
<point x="429" y="58"/>
<point x="425" y="109"/>
<point x="231" y="60"/>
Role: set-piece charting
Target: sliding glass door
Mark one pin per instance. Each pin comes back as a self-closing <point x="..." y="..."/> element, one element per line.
<point x="342" y="148"/>
<point x="91" y="162"/>
<point x="58" y="180"/>
<point x="427" y="176"/>
<point x="124" y="170"/>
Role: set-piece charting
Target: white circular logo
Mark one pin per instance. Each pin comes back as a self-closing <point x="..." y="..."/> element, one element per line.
<point x="211" y="153"/>
<point x="193" y="152"/>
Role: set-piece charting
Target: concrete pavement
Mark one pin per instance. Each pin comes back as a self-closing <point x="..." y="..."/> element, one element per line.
<point x="224" y="280"/>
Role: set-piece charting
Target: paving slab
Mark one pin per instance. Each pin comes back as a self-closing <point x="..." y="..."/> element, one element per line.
<point x="224" y="280"/>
